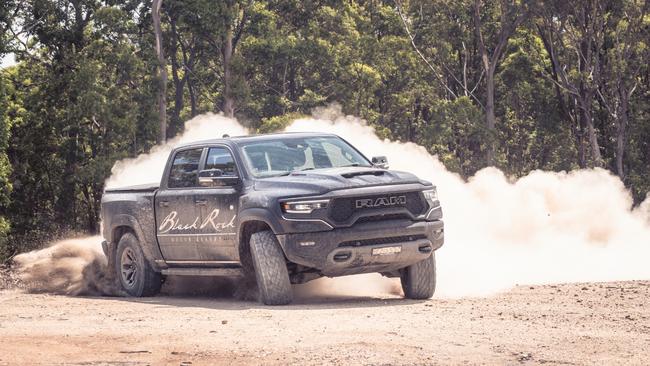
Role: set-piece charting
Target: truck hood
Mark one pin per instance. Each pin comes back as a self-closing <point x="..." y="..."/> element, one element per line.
<point x="321" y="181"/>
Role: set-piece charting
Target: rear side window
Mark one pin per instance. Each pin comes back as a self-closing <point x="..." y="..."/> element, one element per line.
<point x="220" y="158"/>
<point x="185" y="169"/>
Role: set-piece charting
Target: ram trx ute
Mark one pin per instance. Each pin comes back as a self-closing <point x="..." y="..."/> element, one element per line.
<point x="280" y="208"/>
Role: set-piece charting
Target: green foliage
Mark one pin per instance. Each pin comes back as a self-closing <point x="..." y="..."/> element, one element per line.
<point x="278" y="123"/>
<point x="5" y="170"/>
<point x="84" y="102"/>
<point x="531" y="133"/>
<point x="4" y="239"/>
<point x="5" y="165"/>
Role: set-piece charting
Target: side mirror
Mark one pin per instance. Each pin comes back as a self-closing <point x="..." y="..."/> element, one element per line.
<point x="215" y="178"/>
<point x="380" y="162"/>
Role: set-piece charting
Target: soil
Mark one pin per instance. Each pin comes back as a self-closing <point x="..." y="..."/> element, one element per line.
<point x="570" y="324"/>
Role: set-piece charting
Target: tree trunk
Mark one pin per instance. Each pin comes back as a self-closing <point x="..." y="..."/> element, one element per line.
<point x="190" y="89"/>
<point x="593" y="141"/>
<point x="621" y="135"/>
<point x="162" y="70"/>
<point x="188" y="64"/>
<point x="585" y="100"/>
<point x="91" y="213"/>
<point x="490" y="118"/>
<point x="586" y="88"/>
<point x="580" y="127"/>
<point x="179" y="83"/>
<point x="228" y="99"/>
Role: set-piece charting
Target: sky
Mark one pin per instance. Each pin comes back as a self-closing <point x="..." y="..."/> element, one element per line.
<point x="7" y="60"/>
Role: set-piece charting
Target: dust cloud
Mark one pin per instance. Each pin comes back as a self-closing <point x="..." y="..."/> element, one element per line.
<point x="68" y="267"/>
<point x="543" y="228"/>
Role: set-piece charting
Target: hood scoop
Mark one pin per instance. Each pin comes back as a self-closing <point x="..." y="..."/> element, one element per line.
<point x="363" y="172"/>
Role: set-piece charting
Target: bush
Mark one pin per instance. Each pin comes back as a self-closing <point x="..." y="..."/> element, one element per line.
<point x="4" y="240"/>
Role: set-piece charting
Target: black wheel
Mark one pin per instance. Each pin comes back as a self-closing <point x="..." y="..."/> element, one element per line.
<point x="132" y="270"/>
<point x="419" y="279"/>
<point x="270" y="269"/>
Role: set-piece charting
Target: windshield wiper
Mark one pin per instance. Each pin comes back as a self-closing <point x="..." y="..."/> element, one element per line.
<point x="291" y="172"/>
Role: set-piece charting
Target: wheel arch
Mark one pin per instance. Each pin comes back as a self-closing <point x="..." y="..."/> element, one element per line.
<point x="251" y="221"/>
<point x="122" y="224"/>
<point x="246" y="230"/>
<point x="120" y="230"/>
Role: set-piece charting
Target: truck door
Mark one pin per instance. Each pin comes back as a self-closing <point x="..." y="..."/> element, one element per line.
<point x="219" y="206"/>
<point x="178" y="217"/>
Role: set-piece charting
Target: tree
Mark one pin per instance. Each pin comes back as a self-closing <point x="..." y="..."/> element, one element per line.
<point x="5" y="168"/>
<point x="86" y="100"/>
<point x="623" y="61"/>
<point x="573" y="34"/>
<point x="442" y="30"/>
<point x="7" y="9"/>
<point x="162" y="70"/>
<point x="511" y="14"/>
<point x="235" y="17"/>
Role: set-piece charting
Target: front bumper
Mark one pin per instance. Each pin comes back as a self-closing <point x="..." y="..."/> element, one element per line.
<point x="354" y="250"/>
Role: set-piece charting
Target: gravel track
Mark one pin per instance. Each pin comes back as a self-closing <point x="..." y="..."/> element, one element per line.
<point x="570" y="324"/>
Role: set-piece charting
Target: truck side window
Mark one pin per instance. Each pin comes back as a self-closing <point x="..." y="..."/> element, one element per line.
<point x="185" y="169"/>
<point x="220" y="158"/>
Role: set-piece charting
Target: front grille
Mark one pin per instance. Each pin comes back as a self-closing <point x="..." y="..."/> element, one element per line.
<point x="379" y="241"/>
<point x="341" y="209"/>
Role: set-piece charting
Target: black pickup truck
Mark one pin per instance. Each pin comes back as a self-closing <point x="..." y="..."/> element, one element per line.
<point x="281" y="208"/>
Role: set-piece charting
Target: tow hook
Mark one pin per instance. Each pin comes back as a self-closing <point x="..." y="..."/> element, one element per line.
<point x="342" y="256"/>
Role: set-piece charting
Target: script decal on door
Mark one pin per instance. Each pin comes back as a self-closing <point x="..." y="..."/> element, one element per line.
<point x="172" y="223"/>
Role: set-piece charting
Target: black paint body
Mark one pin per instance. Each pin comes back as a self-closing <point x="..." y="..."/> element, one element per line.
<point x="334" y="241"/>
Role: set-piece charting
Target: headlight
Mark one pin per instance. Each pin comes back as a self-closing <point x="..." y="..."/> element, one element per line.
<point x="303" y="207"/>
<point x="430" y="195"/>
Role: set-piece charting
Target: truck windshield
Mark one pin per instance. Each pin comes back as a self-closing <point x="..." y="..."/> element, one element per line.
<point x="273" y="158"/>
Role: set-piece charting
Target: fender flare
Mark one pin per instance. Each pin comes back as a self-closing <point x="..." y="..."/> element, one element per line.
<point x="257" y="214"/>
<point x="149" y="248"/>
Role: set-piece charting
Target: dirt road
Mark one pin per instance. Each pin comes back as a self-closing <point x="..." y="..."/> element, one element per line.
<point x="603" y="323"/>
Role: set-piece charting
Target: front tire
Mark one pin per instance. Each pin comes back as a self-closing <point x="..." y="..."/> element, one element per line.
<point x="135" y="275"/>
<point x="270" y="269"/>
<point x="419" y="279"/>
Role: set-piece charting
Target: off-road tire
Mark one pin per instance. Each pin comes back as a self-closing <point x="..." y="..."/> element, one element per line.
<point x="144" y="281"/>
<point x="270" y="269"/>
<point x="419" y="279"/>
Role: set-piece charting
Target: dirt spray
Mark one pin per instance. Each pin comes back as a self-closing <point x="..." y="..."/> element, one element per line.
<point x="67" y="267"/>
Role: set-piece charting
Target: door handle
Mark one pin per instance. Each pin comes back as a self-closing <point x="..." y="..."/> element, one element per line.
<point x="164" y="203"/>
<point x="201" y="202"/>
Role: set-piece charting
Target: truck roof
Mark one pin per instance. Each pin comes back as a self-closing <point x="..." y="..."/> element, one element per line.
<point x="247" y="138"/>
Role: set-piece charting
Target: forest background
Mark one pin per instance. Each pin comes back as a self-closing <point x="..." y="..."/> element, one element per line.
<point x="520" y="85"/>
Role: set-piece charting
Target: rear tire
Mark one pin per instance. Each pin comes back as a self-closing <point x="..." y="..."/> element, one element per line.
<point x="419" y="279"/>
<point x="270" y="269"/>
<point x="132" y="270"/>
